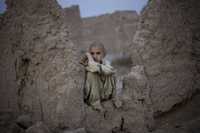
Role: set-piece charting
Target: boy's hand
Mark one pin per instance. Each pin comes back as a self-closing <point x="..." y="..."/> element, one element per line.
<point x="84" y="60"/>
<point x="89" y="56"/>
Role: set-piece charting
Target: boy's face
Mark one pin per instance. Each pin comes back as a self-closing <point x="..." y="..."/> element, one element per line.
<point x="97" y="54"/>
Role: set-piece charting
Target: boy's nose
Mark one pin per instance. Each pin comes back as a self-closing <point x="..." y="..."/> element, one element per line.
<point x="95" y="56"/>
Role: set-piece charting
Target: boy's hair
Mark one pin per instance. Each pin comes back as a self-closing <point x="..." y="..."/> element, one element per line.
<point x="98" y="44"/>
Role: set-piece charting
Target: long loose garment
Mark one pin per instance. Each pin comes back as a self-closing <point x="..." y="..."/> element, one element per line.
<point x="100" y="83"/>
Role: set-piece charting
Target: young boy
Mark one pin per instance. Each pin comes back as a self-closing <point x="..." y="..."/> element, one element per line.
<point x="100" y="81"/>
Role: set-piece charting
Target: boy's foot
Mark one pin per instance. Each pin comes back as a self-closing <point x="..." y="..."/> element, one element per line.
<point x="97" y="106"/>
<point x="117" y="103"/>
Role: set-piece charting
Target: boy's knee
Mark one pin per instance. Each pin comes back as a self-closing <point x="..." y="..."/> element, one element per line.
<point x="92" y="75"/>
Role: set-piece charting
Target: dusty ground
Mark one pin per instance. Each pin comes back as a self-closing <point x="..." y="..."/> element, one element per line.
<point x="184" y="118"/>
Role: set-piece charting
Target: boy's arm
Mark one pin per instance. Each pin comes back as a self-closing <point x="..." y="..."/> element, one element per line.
<point x="92" y="65"/>
<point x="97" y="67"/>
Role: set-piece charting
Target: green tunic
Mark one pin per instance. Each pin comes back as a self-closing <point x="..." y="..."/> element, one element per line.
<point x="100" y="84"/>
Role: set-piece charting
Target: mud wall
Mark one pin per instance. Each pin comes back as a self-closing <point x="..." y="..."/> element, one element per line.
<point x="40" y="64"/>
<point x="167" y="45"/>
<point x="114" y="30"/>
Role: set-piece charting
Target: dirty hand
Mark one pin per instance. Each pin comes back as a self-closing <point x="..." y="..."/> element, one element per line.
<point x="89" y="56"/>
<point x="84" y="60"/>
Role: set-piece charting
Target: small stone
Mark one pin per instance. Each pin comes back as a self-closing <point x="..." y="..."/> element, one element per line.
<point x="24" y="121"/>
<point x="79" y="130"/>
<point x="39" y="127"/>
<point x="14" y="128"/>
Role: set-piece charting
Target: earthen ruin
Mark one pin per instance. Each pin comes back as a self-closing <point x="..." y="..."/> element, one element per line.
<point x="157" y="54"/>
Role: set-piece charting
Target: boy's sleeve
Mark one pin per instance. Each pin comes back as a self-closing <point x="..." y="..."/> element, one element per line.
<point x="107" y="69"/>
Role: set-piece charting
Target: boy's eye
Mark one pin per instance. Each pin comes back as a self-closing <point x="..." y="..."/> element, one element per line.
<point x="97" y="53"/>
